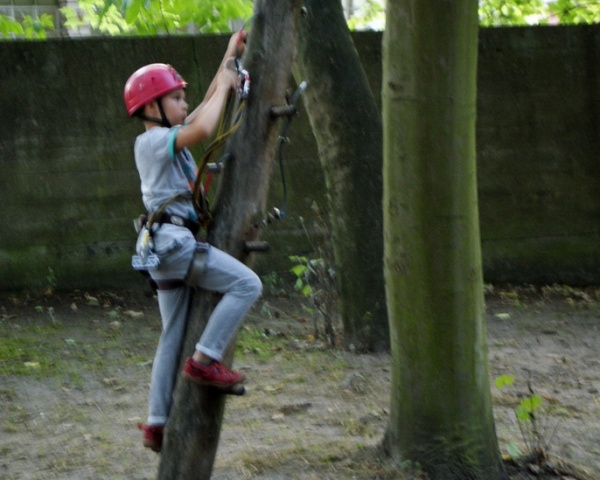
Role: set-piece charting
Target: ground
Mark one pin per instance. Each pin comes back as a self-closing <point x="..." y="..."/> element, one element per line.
<point x="75" y="369"/>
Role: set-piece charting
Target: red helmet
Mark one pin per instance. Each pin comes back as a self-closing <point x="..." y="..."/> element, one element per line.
<point x="149" y="83"/>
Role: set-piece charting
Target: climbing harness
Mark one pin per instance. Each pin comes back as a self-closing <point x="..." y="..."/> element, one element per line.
<point x="145" y="259"/>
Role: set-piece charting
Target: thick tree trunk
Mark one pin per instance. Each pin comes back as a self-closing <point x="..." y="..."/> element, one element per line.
<point x="347" y="126"/>
<point x="192" y="433"/>
<point x="441" y="412"/>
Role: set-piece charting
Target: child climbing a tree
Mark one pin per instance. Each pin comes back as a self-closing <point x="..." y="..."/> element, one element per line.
<point x="167" y="245"/>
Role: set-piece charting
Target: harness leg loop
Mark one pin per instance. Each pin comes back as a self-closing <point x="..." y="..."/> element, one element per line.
<point x="197" y="265"/>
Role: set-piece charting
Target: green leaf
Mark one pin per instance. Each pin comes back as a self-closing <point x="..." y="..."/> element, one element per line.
<point x="306" y="290"/>
<point x="504" y="380"/>
<point x="299" y="270"/>
<point x="298" y="259"/>
<point x="132" y="10"/>
<point x="528" y="407"/>
<point x="9" y="27"/>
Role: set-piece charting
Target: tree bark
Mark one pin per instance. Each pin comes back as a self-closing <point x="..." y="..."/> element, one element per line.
<point x="192" y="433"/>
<point x="347" y="126"/>
<point x="441" y="412"/>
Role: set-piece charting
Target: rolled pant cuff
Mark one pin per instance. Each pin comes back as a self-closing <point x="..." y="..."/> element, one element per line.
<point x="210" y="353"/>
<point x="155" y="420"/>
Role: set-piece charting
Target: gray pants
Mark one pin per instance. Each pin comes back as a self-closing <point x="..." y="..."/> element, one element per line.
<point x="240" y="287"/>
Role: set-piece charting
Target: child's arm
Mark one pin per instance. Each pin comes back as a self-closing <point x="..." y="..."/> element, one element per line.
<point x="234" y="49"/>
<point x="205" y="118"/>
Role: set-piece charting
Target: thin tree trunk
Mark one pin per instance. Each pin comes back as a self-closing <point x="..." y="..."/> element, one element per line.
<point x="441" y="412"/>
<point x="347" y="126"/>
<point x="192" y="434"/>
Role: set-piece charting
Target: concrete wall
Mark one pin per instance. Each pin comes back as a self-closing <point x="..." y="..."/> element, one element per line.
<point x="538" y="135"/>
<point x="69" y="189"/>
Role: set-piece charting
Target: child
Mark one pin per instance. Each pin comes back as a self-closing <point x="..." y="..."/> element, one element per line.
<point x="156" y="94"/>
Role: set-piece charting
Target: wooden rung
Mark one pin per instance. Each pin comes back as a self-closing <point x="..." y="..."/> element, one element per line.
<point x="257" y="246"/>
<point x="283" y="111"/>
<point x="214" y="167"/>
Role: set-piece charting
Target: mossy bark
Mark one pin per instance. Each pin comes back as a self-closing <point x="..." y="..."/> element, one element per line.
<point x="441" y="412"/>
<point x="347" y="126"/>
<point x="194" y="426"/>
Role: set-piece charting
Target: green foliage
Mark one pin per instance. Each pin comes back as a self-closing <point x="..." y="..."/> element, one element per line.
<point x="537" y="12"/>
<point x="514" y="12"/>
<point x="159" y="17"/>
<point x="371" y="15"/>
<point x="9" y="28"/>
<point x="31" y="28"/>
<point x="36" y="27"/>
<point x="574" y="11"/>
<point x="504" y="381"/>
<point x="273" y="284"/>
<point x="258" y="343"/>
<point x="495" y="13"/>
<point x="305" y="270"/>
<point x="102" y="16"/>
<point x="14" y="358"/>
<point x="135" y="17"/>
<point x="315" y="277"/>
<point x="528" y="407"/>
<point x="529" y="411"/>
<point x="154" y="17"/>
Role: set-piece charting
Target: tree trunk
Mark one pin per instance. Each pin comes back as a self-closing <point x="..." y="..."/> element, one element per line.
<point x="441" y="412"/>
<point x="347" y="126"/>
<point x="192" y="436"/>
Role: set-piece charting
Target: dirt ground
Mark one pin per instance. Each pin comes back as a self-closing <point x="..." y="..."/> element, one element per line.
<point x="75" y="369"/>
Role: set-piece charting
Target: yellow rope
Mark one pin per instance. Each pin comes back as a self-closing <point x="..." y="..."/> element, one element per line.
<point x="199" y="196"/>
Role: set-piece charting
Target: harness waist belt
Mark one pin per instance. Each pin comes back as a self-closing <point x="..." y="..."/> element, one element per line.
<point x="191" y="225"/>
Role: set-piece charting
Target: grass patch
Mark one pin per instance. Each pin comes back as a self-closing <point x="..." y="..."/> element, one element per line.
<point x="26" y="356"/>
<point x="258" y="343"/>
<point x="328" y="460"/>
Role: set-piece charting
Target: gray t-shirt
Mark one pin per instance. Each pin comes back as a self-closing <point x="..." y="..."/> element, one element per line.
<point x="165" y="173"/>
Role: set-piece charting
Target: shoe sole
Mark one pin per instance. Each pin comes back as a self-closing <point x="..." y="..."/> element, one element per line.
<point x="152" y="445"/>
<point x="233" y="388"/>
<point x="151" y="441"/>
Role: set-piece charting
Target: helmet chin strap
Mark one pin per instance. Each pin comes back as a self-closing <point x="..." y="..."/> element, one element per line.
<point x="162" y="121"/>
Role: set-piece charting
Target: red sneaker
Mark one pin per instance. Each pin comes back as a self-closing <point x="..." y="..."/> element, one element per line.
<point x="153" y="436"/>
<point x="214" y="374"/>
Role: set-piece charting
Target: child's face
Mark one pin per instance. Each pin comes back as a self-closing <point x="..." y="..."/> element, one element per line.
<point x="175" y="106"/>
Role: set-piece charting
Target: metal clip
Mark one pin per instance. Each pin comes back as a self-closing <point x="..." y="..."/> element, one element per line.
<point x="244" y="89"/>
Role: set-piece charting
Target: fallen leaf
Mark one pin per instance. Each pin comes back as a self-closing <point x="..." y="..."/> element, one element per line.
<point x="92" y="301"/>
